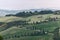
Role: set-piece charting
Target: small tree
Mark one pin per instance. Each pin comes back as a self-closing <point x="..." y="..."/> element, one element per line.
<point x="1" y="38"/>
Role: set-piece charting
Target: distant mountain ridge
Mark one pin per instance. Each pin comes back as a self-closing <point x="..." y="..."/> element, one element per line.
<point x="4" y="12"/>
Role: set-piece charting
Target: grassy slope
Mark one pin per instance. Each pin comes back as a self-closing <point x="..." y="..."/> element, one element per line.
<point x="15" y="30"/>
<point x="9" y="19"/>
<point x="33" y="18"/>
<point x="48" y="26"/>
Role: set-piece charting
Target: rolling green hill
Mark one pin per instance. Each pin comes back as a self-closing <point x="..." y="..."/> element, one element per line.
<point x="37" y="27"/>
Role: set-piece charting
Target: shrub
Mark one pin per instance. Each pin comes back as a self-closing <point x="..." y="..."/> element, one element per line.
<point x="1" y="38"/>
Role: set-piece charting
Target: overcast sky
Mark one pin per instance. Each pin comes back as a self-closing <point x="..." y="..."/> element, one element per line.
<point x="29" y="4"/>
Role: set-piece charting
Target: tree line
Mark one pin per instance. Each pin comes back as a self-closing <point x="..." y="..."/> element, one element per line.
<point x="30" y="13"/>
